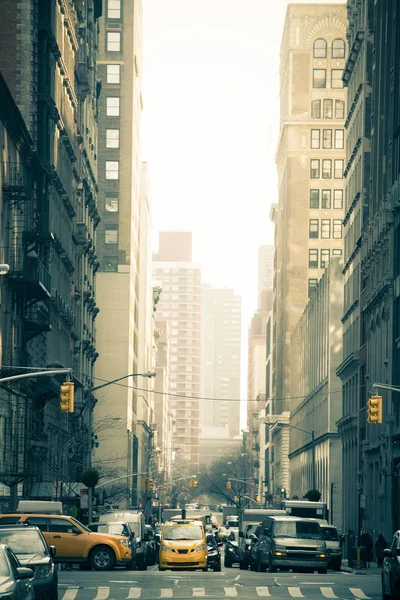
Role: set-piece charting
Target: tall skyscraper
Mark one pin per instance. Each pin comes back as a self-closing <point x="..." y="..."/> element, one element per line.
<point x="180" y="306"/>
<point x="220" y="359"/>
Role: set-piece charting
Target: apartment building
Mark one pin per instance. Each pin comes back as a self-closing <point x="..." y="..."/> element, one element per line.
<point x="48" y="200"/>
<point x="180" y="306"/>
<point x="310" y="160"/>
<point x="220" y="359"/>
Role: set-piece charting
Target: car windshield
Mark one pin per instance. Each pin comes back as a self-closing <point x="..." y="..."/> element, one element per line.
<point x="183" y="532"/>
<point x="4" y="569"/>
<point x="330" y="534"/>
<point x="112" y="528"/>
<point x="297" y="529"/>
<point x="81" y="525"/>
<point x="24" y="542"/>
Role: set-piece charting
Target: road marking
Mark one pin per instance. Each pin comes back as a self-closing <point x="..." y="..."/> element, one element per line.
<point x="102" y="593"/>
<point x="134" y="592"/>
<point x="358" y="593"/>
<point x="237" y="577"/>
<point x="328" y="592"/>
<point x="166" y="593"/>
<point x="199" y="592"/>
<point x="295" y="592"/>
<point x="70" y="594"/>
<point x="231" y="592"/>
<point x="262" y="591"/>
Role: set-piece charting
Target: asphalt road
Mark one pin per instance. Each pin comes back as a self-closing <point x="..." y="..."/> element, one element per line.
<point x="230" y="583"/>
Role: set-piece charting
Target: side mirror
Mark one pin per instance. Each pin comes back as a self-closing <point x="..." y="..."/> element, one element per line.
<point x="24" y="573"/>
<point x="220" y="544"/>
<point x="52" y="550"/>
<point x="387" y="553"/>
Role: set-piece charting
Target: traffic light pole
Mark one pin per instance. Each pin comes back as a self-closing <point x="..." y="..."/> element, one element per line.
<point x="35" y="374"/>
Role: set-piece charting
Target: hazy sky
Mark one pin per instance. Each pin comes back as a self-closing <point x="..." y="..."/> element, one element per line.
<point x="210" y="127"/>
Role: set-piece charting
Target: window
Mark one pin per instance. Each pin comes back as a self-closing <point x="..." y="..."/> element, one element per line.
<point x="320" y="48"/>
<point x="112" y="169"/>
<point x="335" y="252"/>
<point x="313" y="259"/>
<point x="114" y="9"/>
<point x="327" y="139"/>
<point x="339" y="139"/>
<point x="339" y="109"/>
<point x="312" y="284"/>
<point x="314" y="198"/>
<point x="338" y="199"/>
<point x="337" y="229"/>
<point x="325" y="229"/>
<point x="112" y="107"/>
<point x="112" y="204"/>
<point x="339" y="166"/>
<point x="326" y="199"/>
<point x="315" y="138"/>
<point x="338" y="49"/>
<point x="61" y="526"/>
<point x="111" y="236"/>
<point x="336" y="78"/>
<point x="113" y="74"/>
<point x="326" y="169"/>
<point x="113" y="41"/>
<point x="319" y="78"/>
<point x="316" y="109"/>
<point x="325" y="256"/>
<point x="313" y="228"/>
<point x="112" y="138"/>
<point x="314" y="169"/>
<point x="328" y="109"/>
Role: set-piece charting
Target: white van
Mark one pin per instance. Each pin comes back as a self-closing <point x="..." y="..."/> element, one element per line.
<point x="135" y="520"/>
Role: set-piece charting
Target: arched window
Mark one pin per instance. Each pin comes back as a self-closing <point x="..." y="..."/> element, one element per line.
<point x="338" y="49"/>
<point x="320" y="48"/>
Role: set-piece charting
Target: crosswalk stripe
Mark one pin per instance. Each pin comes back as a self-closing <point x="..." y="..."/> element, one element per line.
<point x="134" y="593"/>
<point x="262" y="591"/>
<point x="166" y="593"/>
<point x="199" y="592"/>
<point x="328" y="592"/>
<point x="231" y="592"/>
<point x="358" y="593"/>
<point x="70" y="594"/>
<point x="295" y="592"/>
<point x="102" y="593"/>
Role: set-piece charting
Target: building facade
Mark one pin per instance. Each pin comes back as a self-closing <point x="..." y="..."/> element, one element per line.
<point x="265" y="270"/>
<point x="49" y="219"/>
<point x="180" y="306"/>
<point x="310" y="161"/>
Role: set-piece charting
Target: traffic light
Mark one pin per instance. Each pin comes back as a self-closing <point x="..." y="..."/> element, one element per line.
<point x="375" y="409"/>
<point x="150" y="484"/>
<point x="164" y="484"/>
<point x="194" y="483"/>
<point x="67" y="397"/>
<point x="144" y="484"/>
<point x="228" y="485"/>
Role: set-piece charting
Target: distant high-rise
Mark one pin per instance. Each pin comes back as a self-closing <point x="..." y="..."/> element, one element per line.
<point x="220" y="358"/>
<point x="180" y="307"/>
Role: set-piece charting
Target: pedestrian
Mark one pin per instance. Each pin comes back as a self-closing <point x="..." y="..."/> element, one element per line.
<point x="366" y="541"/>
<point x="380" y="545"/>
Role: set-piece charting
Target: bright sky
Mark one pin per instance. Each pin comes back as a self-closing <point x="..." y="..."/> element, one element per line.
<point x="210" y="128"/>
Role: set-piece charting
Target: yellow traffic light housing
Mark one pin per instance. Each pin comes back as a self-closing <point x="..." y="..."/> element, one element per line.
<point x="164" y="484"/>
<point x="150" y="484"/>
<point x="67" y="397"/>
<point x="228" y="485"/>
<point x="144" y="484"/>
<point x="194" y="483"/>
<point x="374" y="409"/>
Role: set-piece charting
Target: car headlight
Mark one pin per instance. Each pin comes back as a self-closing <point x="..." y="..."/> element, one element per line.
<point x="212" y="552"/>
<point x="43" y="571"/>
<point x="322" y="555"/>
<point x="166" y="549"/>
<point x="125" y="543"/>
<point x="201" y="547"/>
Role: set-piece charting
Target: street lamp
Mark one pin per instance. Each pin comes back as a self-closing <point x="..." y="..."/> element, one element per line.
<point x="149" y="374"/>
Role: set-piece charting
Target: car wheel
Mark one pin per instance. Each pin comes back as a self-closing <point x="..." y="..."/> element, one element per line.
<point x="142" y="566"/>
<point x="227" y="564"/>
<point x="336" y="566"/>
<point x="205" y="569"/>
<point x="242" y="565"/>
<point x="161" y="568"/>
<point x="217" y="568"/>
<point x="102" y="558"/>
<point x="131" y="566"/>
<point x="271" y="566"/>
<point x="323" y="571"/>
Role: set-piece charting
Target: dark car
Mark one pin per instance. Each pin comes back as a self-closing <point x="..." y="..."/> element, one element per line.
<point x="30" y="547"/>
<point x="118" y="528"/>
<point x="231" y="553"/>
<point x="213" y="553"/>
<point x="151" y="542"/>
<point x="15" y="580"/>
<point x="391" y="569"/>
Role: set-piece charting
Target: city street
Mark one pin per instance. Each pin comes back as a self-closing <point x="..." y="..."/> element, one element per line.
<point x="230" y="583"/>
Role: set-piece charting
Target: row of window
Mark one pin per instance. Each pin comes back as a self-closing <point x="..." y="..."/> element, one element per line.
<point x="323" y="199"/>
<point x="338" y="49"/>
<point x="327" y="139"/>
<point x="325" y="256"/>
<point x="325" y="229"/>
<point x="320" y="78"/>
<point x="323" y="168"/>
<point x="327" y="109"/>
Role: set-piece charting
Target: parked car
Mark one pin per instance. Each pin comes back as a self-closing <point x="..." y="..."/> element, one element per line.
<point x="15" y="580"/>
<point x="231" y="553"/>
<point x="150" y="540"/>
<point x="213" y="553"/>
<point x="391" y="570"/>
<point x="118" y="528"/>
<point x="29" y="546"/>
<point x="135" y="519"/>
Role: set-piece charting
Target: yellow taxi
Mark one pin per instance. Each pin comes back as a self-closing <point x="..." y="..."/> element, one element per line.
<point x="74" y="542"/>
<point x="183" y="545"/>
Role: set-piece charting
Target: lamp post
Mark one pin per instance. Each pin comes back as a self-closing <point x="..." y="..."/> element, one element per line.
<point x="149" y="374"/>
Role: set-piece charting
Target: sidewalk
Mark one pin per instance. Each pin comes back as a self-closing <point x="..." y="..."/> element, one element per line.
<point x="372" y="570"/>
